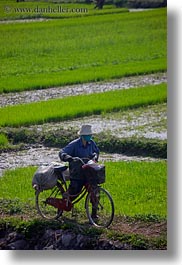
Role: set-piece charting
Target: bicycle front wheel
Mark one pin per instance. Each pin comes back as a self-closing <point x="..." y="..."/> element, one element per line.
<point x="44" y="209"/>
<point x="99" y="207"/>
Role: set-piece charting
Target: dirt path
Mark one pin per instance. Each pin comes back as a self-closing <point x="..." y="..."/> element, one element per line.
<point x="147" y="229"/>
<point x="60" y="92"/>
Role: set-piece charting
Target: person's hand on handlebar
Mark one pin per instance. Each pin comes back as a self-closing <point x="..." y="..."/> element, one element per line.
<point x="77" y="159"/>
<point x="67" y="158"/>
<point x="95" y="157"/>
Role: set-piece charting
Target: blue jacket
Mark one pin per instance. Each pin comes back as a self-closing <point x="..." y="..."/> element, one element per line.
<point x="77" y="149"/>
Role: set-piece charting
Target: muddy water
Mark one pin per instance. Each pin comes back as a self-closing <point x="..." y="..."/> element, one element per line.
<point x="128" y="124"/>
<point x="60" y="92"/>
<point x="35" y="156"/>
<point x="149" y="122"/>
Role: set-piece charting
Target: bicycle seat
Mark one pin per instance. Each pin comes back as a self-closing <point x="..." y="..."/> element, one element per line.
<point x="60" y="168"/>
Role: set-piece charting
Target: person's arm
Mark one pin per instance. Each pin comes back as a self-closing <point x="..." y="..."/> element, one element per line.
<point x="67" y="152"/>
<point x="96" y="152"/>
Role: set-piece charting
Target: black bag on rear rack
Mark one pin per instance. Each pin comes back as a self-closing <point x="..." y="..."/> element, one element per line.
<point x="94" y="173"/>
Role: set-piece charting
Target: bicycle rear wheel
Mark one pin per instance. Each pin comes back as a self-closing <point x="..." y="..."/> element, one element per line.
<point x="101" y="200"/>
<point x="44" y="209"/>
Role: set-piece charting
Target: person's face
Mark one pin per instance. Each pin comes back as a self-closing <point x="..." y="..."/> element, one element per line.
<point x="87" y="138"/>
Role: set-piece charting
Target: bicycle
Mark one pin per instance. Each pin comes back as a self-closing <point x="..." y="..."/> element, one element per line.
<point x="52" y="203"/>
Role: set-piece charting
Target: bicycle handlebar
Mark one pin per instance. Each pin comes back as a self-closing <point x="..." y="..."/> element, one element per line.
<point x="80" y="159"/>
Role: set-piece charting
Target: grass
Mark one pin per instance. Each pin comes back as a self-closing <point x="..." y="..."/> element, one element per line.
<point x="58" y="52"/>
<point x="132" y="146"/>
<point x="79" y="106"/>
<point x="16" y="184"/>
<point x="3" y="140"/>
<point x="137" y="188"/>
<point x="34" y="230"/>
<point x="139" y="191"/>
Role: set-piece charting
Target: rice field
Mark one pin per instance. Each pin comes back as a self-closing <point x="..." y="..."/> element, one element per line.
<point x="59" y="52"/>
<point x="10" y="10"/>
<point x="80" y="48"/>
<point x="136" y="187"/>
<point x="80" y="106"/>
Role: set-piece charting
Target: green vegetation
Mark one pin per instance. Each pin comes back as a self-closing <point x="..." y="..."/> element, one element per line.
<point x="138" y="188"/>
<point x="35" y="9"/>
<point x="139" y="242"/>
<point x="58" y="52"/>
<point x="34" y="229"/>
<point x="16" y="185"/>
<point x="79" y="106"/>
<point x="10" y="10"/>
<point x="78" y="48"/>
<point x="3" y="140"/>
<point x="133" y="146"/>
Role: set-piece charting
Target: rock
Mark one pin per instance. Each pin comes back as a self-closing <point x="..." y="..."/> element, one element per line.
<point x="59" y="240"/>
<point x="3" y="243"/>
<point x="18" y="245"/>
<point x="57" y="235"/>
<point x="79" y="241"/>
<point x="14" y="236"/>
<point x="46" y="240"/>
<point x="67" y="240"/>
<point x="51" y="247"/>
<point x="14" y="241"/>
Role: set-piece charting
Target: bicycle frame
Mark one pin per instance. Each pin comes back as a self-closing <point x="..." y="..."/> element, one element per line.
<point x="99" y="205"/>
<point x="64" y="189"/>
<point x="86" y="189"/>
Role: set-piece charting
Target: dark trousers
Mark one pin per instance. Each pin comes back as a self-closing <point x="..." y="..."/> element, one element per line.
<point x="76" y="179"/>
<point x="75" y="187"/>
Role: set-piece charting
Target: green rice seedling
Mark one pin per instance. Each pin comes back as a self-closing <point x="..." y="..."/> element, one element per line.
<point x="137" y="188"/>
<point x="16" y="185"/>
<point x="68" y="51"/>
<point x="3" y="140"/>
<point x="79" y="106"/>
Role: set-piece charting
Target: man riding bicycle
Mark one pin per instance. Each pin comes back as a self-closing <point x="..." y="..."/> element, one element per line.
<point x="83" y="147"/>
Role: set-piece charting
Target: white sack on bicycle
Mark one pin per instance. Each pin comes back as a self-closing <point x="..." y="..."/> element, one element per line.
<point x="45" y="177"/>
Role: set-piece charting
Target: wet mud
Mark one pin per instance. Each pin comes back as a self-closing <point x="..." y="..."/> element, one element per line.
<point x="75" y="90"/>
<point x="40" y="155"/>
<point x="148" y="122"/>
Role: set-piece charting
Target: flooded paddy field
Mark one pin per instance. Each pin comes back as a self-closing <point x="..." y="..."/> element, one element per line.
<point x="144" y="122"/>
<point x="86" y="88"/>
